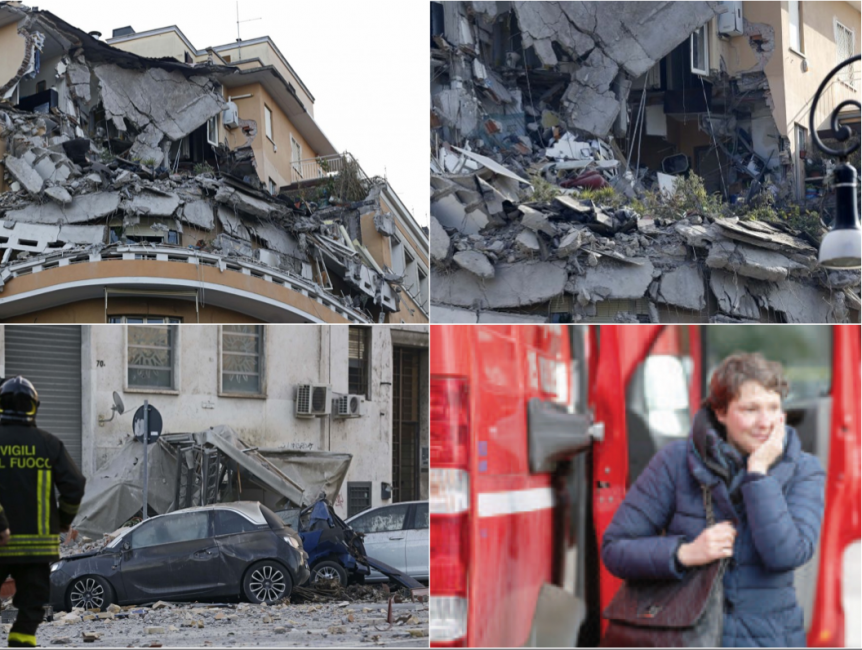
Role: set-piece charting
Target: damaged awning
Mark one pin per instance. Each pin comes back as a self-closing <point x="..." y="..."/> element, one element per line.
<point x="196" y="469"/>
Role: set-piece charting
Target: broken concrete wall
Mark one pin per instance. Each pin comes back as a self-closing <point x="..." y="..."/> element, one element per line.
<point x="596" y="47"/>
<point x="127" y="96"/>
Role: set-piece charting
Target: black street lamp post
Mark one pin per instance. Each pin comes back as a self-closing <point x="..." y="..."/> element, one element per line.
<point x="841" y="248"/>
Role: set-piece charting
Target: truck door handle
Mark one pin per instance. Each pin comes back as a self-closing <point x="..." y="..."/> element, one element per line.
<point x="396" y="538"/>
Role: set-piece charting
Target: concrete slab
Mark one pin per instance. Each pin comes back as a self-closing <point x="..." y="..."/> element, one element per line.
<point x="514" y="285"/>
<point x="614" y="280"/>
<point x="84" y="208"/>
<point x="475" y="263"/>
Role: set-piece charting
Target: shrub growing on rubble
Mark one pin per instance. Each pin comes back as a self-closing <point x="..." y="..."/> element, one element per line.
<point x="690" y="197"/>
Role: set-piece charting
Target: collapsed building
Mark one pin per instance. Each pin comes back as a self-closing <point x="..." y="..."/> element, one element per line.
<point x="564" y="139"/>
<point x="141" y="187"/>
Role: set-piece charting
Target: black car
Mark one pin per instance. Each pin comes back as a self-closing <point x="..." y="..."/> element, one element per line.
<point x="222" y="551"/>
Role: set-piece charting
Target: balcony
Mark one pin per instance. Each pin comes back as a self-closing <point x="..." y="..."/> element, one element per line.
<point x="342" y="174"/>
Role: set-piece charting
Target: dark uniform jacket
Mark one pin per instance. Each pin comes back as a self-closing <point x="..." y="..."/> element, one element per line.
<point x="777" y="520"/>
<point x="34" y="463"/>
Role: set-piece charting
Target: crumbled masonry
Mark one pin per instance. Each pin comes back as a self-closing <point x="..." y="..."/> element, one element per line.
<point x="97" y="176"/>
<point x="533" y="196"/>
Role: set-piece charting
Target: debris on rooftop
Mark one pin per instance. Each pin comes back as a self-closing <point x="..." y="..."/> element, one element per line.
<point x="113" y="163"/>
<point x="542" y="209"/>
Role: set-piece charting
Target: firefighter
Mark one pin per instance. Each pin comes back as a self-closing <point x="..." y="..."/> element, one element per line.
<point x="32" y="464"/>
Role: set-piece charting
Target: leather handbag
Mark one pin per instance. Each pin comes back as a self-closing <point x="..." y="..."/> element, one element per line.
<point x="670" y="613"/>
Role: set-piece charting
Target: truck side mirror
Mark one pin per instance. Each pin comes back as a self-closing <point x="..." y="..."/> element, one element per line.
<point x="554" y="434"/>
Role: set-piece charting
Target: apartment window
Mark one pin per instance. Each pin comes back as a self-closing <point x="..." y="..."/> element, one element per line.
<point x="845" y="45"/>
<point x="700" y="51"/>
<point x="273" y="188"/>
<point x="358" y="354"/>
<point x="397" y="255"/>
<point x="267" y="116"/>
<point x="151" y="356"/>
<point x="296" y="155"/>
<point x="411" y="274"/>
<point x="423" y="289"/>
<point x="358" y="497"/>
<point x="242" y="359"/>
<point x="794" y="18"/>
<point x="212" y="130"/>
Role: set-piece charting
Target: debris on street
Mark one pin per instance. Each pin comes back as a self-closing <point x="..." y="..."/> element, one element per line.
<point x="362" y="621"/>
<point x="548" y="206"/>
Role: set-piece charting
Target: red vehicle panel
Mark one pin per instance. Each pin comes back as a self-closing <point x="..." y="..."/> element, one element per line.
<point x="497" y="536"/>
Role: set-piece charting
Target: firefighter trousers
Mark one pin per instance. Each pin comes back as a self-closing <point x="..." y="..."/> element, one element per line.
<point x="32" y="593"/>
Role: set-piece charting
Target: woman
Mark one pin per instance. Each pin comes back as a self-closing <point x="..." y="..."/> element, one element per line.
<point x="767" y="496"/>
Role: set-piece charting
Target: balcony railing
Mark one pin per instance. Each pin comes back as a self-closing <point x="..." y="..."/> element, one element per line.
<point x="315" y="169"/>
<point x="185" y="256"/>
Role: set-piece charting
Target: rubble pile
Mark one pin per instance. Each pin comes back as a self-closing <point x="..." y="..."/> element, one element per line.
<point x="242" y="624"/>
<point x="95" y="173"/>
<point x="538" y="216"/>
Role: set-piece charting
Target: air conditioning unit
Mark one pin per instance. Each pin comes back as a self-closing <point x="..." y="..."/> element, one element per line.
<point x="313" y="400"/>
<point x="347" y="406"/>
<point x="230" y="116"/>
<point x="730" y="22"/>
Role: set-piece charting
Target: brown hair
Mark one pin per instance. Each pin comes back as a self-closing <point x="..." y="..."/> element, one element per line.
<point x="739" y="368"/>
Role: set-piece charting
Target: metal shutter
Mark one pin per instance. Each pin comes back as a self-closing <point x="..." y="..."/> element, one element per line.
<point x="50" y="357"/>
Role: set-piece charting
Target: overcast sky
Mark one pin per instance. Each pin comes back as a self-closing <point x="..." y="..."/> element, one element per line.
<point x="366" y="63"/>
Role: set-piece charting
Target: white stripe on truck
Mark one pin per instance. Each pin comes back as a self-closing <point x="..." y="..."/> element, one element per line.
<point x="496" y="504"/>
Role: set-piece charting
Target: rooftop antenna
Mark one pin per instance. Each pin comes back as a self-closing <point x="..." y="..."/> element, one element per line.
<point x="238" y="37"/>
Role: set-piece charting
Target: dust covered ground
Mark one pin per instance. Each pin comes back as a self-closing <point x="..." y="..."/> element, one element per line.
<point x="361" y="621"/>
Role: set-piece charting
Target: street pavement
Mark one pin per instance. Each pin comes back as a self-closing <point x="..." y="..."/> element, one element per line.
<point x="358" y="624"/>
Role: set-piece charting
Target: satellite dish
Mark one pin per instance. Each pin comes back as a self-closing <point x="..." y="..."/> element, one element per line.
<point x="118" y="403"/>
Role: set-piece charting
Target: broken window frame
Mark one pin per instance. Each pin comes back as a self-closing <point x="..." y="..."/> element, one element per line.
<point x="172" y="368"/>
<point x="794" y="9"/>
<point x="212" y="130"/>
<point x="225" y="333"/>
<point x="703" y="30"/>
<point x="267" y="119"/>
<point x="845" y="75"/>
<point x="358" y="360"/>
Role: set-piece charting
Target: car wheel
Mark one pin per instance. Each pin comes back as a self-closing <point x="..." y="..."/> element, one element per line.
<point x="329" y="570"/>
<point x="266" y="582"/>
<point x="89" y="592"/>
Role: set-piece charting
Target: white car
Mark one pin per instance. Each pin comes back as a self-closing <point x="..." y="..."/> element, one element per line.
<point x="396" y="534"/>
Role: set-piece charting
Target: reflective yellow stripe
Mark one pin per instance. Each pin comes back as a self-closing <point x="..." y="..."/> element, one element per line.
<point x="40" y="489"/>
<point x="27" y="639"/>
<point x="31" y="538"/>
<point x="49" y="495"/>
<point x="67" y="508"/>
<point x="38" y="550"/>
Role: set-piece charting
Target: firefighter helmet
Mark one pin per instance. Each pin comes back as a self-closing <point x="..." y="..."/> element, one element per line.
<point x="18" y="400"/>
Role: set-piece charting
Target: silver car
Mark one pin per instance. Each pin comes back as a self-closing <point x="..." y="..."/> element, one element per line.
<point x="396" y="534"/>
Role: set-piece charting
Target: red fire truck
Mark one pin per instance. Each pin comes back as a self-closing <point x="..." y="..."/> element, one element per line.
<point x="537" y="431"/>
